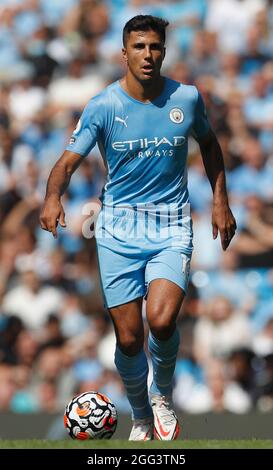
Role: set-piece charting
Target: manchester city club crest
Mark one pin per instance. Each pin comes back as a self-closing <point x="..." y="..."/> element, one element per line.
<point x="176" y="115"/>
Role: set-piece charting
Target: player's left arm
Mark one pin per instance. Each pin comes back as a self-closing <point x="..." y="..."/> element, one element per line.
<point x="222" y="217"/>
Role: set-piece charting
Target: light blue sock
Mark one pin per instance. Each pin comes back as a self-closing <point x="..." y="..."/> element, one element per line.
<point x="134" y="372"/>
<point x="163" y="355"/>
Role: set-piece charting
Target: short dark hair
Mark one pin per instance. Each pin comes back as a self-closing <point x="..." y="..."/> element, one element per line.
<point x="145" y="23"/>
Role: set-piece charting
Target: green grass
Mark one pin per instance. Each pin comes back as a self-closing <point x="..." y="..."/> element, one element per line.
<point x="122" y="444"/>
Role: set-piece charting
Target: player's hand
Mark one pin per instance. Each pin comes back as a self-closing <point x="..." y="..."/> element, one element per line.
<point x="224" y="222"/>
<point x="52" y="213"/>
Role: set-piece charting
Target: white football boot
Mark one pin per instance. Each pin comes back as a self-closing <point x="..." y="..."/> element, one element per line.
<point x="142" y="430"/>
<point x="166" y="426"/>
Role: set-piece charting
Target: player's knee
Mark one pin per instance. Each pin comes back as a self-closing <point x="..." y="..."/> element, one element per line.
<point x="161" y="328"/>
<point x="130" y="344"/>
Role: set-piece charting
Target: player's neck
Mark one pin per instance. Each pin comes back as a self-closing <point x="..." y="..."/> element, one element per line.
<point x="140" y="91"/>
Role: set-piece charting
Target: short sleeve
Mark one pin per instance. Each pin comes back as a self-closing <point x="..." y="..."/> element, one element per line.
<point x="201" y="124"/>
<point x="86" y="133"/>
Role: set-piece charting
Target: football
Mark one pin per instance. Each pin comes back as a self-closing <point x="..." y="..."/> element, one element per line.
<point x="90" y="415"/>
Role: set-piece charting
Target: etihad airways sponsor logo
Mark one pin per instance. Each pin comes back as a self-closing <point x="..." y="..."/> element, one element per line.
<point x="140" y="144"/>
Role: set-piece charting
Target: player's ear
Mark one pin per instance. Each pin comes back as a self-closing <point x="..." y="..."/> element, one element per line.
<point x="124" y="54"/>
<point x="164" y="53"/>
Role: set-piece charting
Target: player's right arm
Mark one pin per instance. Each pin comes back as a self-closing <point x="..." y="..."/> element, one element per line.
<point x="52" y="211"/>
<point x="81" y="143"/>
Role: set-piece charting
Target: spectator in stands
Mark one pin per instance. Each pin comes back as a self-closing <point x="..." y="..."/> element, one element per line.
<point x="220" y="330"/>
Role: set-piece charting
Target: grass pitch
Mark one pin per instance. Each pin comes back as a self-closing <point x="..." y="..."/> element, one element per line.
<point x="122" y="444"/>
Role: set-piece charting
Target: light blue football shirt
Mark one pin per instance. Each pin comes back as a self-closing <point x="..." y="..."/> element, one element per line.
<point x="144" y="145"/>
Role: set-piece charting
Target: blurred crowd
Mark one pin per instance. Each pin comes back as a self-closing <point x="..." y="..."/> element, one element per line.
<point x="55" y="336"/>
